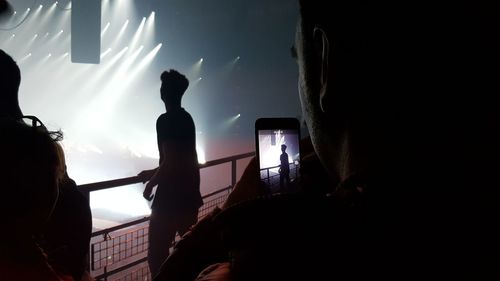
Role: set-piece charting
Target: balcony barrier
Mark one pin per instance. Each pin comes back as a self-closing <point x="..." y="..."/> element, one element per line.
<point x="119" y="253"/>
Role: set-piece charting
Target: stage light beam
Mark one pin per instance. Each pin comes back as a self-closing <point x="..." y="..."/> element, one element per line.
<point x="105" y="53"/>
<point x="137" y="34"/>
<point x="105" y="29"/>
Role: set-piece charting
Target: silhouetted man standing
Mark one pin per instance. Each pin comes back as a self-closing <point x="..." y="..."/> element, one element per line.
<point x="177" y="197"/>
<point x="284" y="169"/>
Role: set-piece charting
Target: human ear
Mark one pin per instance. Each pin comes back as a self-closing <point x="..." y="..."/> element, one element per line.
<point x="322" y="49"/>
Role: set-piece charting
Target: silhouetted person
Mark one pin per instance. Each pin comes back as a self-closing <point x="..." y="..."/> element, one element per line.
<point x="10" y="79"/>
<point x="177" y="198"/>
<point x="64" y="228"/>
<point x="398" y="100"/>
<point x="284" y="169"/>
<point x="29" y="183"/>
<point x="66" y="236"/>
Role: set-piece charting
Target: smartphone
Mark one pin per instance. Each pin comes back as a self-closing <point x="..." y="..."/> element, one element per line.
<point x="277" y="142"/>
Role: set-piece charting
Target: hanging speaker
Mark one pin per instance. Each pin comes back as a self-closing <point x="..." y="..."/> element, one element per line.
<point x="86" y="31"/>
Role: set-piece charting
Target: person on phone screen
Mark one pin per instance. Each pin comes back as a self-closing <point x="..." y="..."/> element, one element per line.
<point x="177" y="198"/>
<point x="397" y="97"/>
<point x="284" y="169"/>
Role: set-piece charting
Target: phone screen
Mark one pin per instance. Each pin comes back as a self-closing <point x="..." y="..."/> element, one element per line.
<point x="279" y="154"/>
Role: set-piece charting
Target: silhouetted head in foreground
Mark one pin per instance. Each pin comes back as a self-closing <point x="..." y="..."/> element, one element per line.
<point x="398" y="98"/>
<point x="381" y="85"/>
<point x="30" y="172"/>
<point x="173" y="87"/>
<point x="10" y="79"/>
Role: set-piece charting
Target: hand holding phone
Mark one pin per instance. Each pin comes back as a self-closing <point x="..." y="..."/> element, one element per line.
<point x="277" y="143"/>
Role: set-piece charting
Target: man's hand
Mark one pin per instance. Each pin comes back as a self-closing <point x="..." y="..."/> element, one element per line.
<point x="147" y="192"/>
<point x="248" y="187"/>
<point x="146" y="175"/>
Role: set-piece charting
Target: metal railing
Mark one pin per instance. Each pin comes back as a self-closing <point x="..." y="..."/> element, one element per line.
<point x="272" y="180"/>
<point x="122" y="249"/>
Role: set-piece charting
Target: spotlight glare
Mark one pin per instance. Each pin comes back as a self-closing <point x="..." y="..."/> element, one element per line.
<point x="41" y="6"/>
<point x="28" y="10"/>
<point x="49" y="55"/>
<point x="238" y="116"/>
<point x="15" y="12"/>
<point x="201" y="60"/>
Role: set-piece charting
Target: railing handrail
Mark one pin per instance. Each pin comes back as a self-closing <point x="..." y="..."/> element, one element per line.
<point x="90" y="187"/>
<point x="146" y="218"/>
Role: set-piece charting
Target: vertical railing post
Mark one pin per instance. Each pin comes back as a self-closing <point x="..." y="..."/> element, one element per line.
<point x="233" y="173"/>
<point x="268" y="178"/>
<point x="86" y="194"/>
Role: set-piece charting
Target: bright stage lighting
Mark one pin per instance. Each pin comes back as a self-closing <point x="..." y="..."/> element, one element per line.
<point x="151" y="19"/>
<point x="195" y="70"/>
<point x="120" y="34"/>
<point x="201" y="155"/>
<point x="137" y="34"/>
<point x="23" y="59"/>
<point x="228" y="123"/>
<point x="145" y="62"/>
<point x="149" y="32"/>
<point x="104" y="54"/>
<point x="105" y="29"/>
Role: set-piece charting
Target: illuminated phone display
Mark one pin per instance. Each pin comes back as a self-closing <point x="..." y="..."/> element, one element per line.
<point x="278" y="154"/>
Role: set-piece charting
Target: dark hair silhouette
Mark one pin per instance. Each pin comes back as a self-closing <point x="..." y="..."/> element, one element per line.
<point x="173" y="83"/>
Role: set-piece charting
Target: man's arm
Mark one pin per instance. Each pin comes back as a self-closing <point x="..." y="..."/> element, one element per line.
<point x="171" y="150"/>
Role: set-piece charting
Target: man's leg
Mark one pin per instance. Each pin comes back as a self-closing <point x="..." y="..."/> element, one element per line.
<point x="186" y="220"/>
<point x="161" y="235"/>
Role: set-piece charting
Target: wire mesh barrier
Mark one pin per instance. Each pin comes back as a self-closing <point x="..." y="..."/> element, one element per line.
<point x="119" y="248"/>
<point x="120" y="253"/>
<point x="141" y="273"/>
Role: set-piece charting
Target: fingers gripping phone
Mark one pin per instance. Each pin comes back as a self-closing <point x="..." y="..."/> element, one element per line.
<point x="277" y="143"/>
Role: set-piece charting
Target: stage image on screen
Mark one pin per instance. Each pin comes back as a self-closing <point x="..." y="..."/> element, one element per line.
<point x="279" y="159"/>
